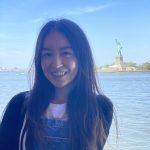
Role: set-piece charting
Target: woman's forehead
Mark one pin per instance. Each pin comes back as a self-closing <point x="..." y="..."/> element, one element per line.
<point x="55" y="38"/>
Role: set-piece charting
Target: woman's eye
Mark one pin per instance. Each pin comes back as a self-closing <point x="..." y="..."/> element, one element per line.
<point x="67" y="53"/>
<point x="47" y="54"/>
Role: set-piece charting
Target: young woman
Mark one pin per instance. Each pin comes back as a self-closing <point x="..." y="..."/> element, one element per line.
<point x="64" y="110"/>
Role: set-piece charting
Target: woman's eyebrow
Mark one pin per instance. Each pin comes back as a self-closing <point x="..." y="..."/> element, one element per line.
<point x="65" y="47"/>
<point x="46" y="49"/>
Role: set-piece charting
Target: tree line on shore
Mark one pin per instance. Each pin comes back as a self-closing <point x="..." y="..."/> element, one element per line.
<point x="145" y="66"/>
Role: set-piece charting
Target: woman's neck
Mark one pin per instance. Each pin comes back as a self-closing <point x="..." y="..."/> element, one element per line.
<point x="61" y="95"/>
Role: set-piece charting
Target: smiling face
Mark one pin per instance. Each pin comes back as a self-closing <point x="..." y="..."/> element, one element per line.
<point x="58" y="61"/>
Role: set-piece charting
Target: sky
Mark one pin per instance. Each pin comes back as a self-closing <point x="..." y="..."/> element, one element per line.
<point x="103" y="21"/>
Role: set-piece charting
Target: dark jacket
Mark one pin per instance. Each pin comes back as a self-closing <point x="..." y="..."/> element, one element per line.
<point x="13" y="117"/>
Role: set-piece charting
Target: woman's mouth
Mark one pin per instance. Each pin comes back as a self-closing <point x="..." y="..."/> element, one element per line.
<point x="59" y="73"/>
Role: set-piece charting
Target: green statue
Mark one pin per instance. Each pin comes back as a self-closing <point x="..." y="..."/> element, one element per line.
<point x="119" y="47"/>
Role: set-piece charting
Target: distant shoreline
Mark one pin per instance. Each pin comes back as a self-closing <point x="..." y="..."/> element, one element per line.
<point x="18" y="71"/>
<point x="15" y="69"/>
<point x="122" y="71"/>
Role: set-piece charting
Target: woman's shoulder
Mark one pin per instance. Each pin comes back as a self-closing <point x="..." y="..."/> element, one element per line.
<point x="18" y="100"/>
<point x="106" y="109"/>
<point x="12" y="120"/>
<point x="104" y="103"/>
<point x="16" y="104"/>
<point x="20" y="97"/>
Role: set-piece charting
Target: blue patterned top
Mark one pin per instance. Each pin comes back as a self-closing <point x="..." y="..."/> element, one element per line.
<point x="56" y="134"/>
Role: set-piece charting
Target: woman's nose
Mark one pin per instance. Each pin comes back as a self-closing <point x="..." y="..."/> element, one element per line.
<point x="57" y="61"/>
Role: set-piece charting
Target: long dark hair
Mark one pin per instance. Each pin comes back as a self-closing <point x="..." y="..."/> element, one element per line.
<point x="86" y="123"/>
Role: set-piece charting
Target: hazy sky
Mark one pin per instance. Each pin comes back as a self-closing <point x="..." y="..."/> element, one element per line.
<point x="102" y="20"/>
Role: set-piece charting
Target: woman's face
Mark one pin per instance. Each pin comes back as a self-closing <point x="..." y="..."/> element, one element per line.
<point x="58" y="61"/>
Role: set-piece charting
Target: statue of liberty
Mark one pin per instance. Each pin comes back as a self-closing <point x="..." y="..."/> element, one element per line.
<point x="119" y="47"/>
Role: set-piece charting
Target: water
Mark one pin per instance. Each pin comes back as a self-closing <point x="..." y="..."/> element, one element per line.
<point x="10" y="84"/>
<point x="128" y="91"/>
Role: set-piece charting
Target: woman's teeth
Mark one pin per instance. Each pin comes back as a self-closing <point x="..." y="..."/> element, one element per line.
<point x="58" y="73"/>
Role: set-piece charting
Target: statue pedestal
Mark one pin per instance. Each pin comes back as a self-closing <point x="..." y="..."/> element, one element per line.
<point x="119" y="62"/>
